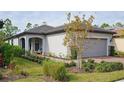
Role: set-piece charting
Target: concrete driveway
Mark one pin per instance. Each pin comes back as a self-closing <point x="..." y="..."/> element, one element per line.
<point x="109" y="59"/>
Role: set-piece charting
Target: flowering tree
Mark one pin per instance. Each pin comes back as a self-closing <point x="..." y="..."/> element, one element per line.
<point x="76" y="33"/>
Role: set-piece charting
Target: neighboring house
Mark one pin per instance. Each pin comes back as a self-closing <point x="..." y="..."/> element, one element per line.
<point x="118" y="39"/>
<point x="50" y="40"/>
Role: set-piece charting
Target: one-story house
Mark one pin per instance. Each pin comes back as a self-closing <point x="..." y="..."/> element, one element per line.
<point x="50" y="40"/>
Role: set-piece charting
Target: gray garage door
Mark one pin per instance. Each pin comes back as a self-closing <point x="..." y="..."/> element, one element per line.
<point x="95" y="47"/>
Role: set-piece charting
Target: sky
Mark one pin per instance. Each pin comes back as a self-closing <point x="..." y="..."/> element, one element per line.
<point x="57" y="18"/>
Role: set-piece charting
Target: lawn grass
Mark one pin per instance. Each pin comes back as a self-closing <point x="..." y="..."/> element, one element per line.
<point x="97" y="77"/>
<point x="36" y="73"/>
<point x="31" y="79"/>
<point x="32" y="68"/>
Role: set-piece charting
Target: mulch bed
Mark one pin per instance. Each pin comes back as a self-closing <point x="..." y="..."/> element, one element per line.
<point x="10" y="78"/>
<point x="74" y="70"/>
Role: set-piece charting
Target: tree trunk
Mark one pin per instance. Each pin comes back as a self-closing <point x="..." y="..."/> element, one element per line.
<point x="79" y="60"/>
<point x="1" y="60"/>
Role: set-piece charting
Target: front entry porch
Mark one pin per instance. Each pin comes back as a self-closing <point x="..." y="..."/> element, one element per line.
<point x="34" y="44"/>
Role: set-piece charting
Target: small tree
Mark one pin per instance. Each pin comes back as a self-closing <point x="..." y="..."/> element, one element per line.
<point x="76" y="32"/>
<point x="105" y="25"/>
<point x="118" y="24"/>
<point x="28" y="26"/>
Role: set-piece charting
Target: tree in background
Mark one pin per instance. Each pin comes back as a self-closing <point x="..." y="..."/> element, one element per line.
<point x="118" y="24"/>
<point x="76" y="34"/>
<point x="9" y="29"/>
<point x="105" y="25"/>
<point x="1" y="23"/>
<point x="28" y="26"/>
<point x="2" y="37"/>
<point x="95" y="26"/>
<point x="35" y="25"/>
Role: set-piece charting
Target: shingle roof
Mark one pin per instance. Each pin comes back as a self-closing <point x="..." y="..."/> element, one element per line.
<point x="45" y="30"/>
<point x="40" y="29"/>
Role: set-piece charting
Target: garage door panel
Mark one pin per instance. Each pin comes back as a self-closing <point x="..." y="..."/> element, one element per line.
<point x="95" y="47"/>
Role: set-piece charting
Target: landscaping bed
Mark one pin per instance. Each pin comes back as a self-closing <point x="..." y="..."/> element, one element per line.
<point x="35" y="73"/>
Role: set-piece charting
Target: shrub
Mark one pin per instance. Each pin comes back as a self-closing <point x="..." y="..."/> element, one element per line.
<point x="24" y="73"/>
<point x="7" y="51"/>
<point x="91" y="61"/>
<point x="108" y="66"/>
<point x="112" y="51"/>
<point x="18" y="51"/>
<point x="34" y="58"/>
<point x="89" y="66"/>
<point x="119" y="53"/>
<point x="1" y="76"/>
<point x="70" y="64"/>
<point x="56" y="70"/>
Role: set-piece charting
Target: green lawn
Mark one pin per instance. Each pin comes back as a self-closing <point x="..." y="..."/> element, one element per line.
<point x="31" y="79"/>
<point x="97" y="77"/>
<point x="34" y="70"/>
<point x="36" y="74"/>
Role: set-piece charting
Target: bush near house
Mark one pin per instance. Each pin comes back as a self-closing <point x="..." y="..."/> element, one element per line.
<point x="89" y="66"/>
<point x="109" y="66"/>
<point x="119" y="53"/>
<point x="33" y="57"/>
<point x="9" y="52"/>
<point x="112" y="51"/>
<point x="18" y="51"/>
<point x="103" y="66"/>
<point x="56" y="70"/>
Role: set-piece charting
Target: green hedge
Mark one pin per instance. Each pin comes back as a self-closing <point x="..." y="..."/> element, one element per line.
<point x="9" y="52"/>
<point x="56" y="70"/>
<point x="18" y="51"/>
<point x="34" y="58"/>
<point x="109" y="66"/>
<point x="88" y="66"/>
